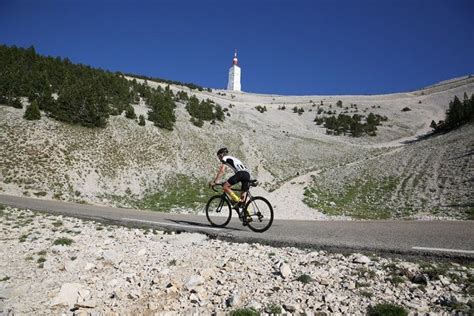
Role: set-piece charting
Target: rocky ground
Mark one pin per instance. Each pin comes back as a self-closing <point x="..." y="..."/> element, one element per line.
<point x="58" y="265"/>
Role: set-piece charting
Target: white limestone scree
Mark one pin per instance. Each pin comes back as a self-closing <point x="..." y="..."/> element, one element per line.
<point x="234" y="75"/>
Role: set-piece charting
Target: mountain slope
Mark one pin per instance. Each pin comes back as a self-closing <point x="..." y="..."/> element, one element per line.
<point x="126" y="164"/>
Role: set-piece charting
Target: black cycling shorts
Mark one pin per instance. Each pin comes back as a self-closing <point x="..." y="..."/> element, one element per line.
<point x="241" y="176"/>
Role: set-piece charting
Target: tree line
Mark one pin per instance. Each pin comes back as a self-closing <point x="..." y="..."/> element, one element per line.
<point x="457" y="114"/>
<point x="75" y="93"/>
<point x="351" y="125"/>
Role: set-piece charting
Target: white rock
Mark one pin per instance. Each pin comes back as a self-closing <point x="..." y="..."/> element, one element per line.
<point x="111" y="257"/>
<point x="68" y="294"/>
<point x="234" y="300"/>
<point x="454" y="288"/>
<point x="285" y="271"/>
<point x="361" y="259"/>
<point x="89" y="266"/>
<point x="291" y="307"/>
<point x="142" y="252"/>
<point x="444" y="280"/>
<point x="194" y="281"/>
<point x="328" y="298"/>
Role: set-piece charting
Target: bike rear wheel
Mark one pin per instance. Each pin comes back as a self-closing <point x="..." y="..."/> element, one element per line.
<point x="218" y="211"/>
<point x="260" y="214"/>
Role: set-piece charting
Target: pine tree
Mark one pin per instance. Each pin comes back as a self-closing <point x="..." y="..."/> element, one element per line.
<point x="130" y="112"/>
<point x="32" y="112"/>
<point x="141" y="120"/>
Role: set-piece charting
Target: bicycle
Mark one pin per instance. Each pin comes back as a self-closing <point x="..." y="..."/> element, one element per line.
<point x="256" y="213"/>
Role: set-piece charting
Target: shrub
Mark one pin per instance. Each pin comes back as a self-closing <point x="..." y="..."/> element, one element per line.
<point x="304" y="278"/>
<point x="197" y="122"/>
<point x="244" y="312"/>
<point x="261" y="109"/>
<point x="15" y="102"/>
<point x="141" y="120"/>
<point x="406" y="109"/>
<point x="32" y="112"/>
<point x="273" y="309"/>
<point x="63" y="241"/>
<point x="339" y="103"/>
<point x="130" y="113"/>
<point x="386" y="309"/>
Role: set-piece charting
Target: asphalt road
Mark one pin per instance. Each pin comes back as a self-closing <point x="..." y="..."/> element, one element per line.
<point x="448" y="239"/>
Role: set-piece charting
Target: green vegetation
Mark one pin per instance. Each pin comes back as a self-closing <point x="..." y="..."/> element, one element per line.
<point x="273" y="309"/>
<point x="85" y="96"/>
<point x="5" y="278"/>
<point x="386" y="309"/>
<point x="180" y="193"/>
<point x="261" y="109"/>
<point x="458" y="114"/>
<point x="366" y="294"/>
<point x="141" y="120"/>
<point x="244" y="312"/>
<point x="434" y="271"/>
<point x="304" y="278"/>
<point x="206" y="110"/>
<point x="364" y="198"/>
<point x="32" y="112"/>
<point x="352" y="125"/>
<point x="63" y="241"/>
<point x="172" y="263"/>
<point x="191" y="86"/>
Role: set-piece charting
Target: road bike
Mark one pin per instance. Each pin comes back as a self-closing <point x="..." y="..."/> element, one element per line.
<point x="255" y="212"/>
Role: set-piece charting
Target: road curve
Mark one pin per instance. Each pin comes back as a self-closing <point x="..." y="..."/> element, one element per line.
<point x="449" y="239"/>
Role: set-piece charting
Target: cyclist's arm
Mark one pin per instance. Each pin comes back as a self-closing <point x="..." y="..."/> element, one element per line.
<point x="220" y="173"/>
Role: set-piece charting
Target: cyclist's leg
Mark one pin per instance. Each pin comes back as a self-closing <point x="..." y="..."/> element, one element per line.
<point x="227" y="188"/>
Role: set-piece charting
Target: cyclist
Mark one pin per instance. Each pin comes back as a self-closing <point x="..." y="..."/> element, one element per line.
<point x="241" y="174"/>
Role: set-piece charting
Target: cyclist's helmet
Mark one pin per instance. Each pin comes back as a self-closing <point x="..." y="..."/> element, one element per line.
<point x="222" y="151"/>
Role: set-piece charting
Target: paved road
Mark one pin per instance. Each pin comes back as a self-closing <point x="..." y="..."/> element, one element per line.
<point x="453" y="239"/>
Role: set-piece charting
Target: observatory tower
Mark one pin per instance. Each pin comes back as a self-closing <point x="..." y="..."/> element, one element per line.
<point x="234" y="75"/>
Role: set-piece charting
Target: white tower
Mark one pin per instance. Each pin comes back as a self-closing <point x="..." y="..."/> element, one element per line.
<point x="234" y="75"/>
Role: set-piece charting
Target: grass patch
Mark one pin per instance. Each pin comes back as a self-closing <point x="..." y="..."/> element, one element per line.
<point x="183" y="193"/>
<point x="57" y="223"/>
<point x="23" y="238"/>
<point x="42" y="253"/>
<point x="366" y="294"/>
<point x="172" y="263"/>
<point x="5" y="278"/>
<point x="273" y="309"/>
<point x="244" y="312"/>
<point x="63" y="241"/>
<point x="396" y="279"/>
<point x="363" y="198"/>
<point x="434" y="270"/>
<point x="41" y="260"/>
<point x="386" y="309"/>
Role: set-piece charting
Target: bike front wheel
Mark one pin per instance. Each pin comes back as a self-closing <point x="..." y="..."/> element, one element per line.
<point x="259" y="214"/>
<point x="218" y="211"/>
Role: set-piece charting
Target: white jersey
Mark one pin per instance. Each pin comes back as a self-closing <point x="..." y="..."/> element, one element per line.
<point x="234" y="163"/>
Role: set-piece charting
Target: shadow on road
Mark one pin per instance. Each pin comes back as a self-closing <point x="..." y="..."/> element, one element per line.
<point x="200" y="225"/>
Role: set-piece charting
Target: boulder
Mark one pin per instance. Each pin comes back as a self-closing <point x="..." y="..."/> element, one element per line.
<point x="361" y="259"/>
<point x="68" y="294"/>
<point x="285" y="271"/>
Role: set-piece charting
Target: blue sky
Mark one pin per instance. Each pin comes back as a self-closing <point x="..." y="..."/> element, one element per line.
<point x="285" y="46"/>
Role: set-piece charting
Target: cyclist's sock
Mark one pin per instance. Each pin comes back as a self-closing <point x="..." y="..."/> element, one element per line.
<point x="235" y="198"/>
